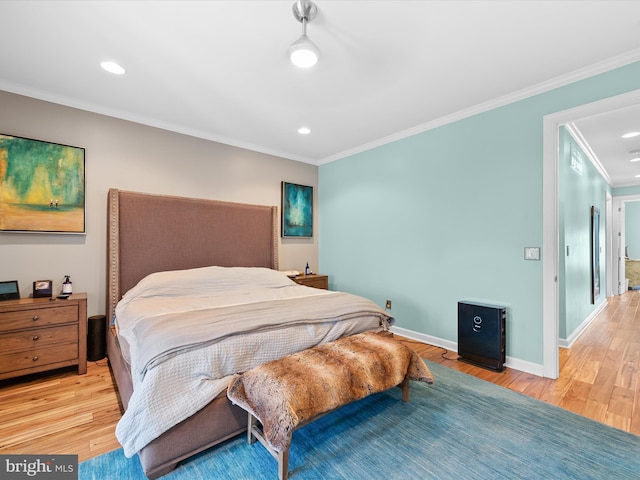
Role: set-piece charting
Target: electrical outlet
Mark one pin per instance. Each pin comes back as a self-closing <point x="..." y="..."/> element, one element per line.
<point x="388" y="305"/>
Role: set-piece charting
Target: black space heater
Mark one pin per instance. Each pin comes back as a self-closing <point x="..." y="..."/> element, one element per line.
<point x="481" y="335"/>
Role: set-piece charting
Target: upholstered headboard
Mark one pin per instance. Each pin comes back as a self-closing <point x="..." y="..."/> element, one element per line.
<point x="152" y="233"/>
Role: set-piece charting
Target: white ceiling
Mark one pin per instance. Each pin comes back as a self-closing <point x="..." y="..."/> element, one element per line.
<point x="218" y="69"/>
<point x="603" y="135"/>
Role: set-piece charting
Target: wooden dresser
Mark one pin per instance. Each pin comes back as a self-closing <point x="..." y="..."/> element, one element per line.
<point x="313" y="280"/>
<point x="39" y="334"/>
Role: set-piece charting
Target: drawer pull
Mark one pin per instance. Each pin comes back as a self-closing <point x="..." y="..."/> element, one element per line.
<point x="35" y="317"/>
<point x="35" y="337"/>
<point x="35" y="358"/>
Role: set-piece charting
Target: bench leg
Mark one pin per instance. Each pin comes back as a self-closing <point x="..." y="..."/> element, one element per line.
<point x="283" y="465"/>
<point x="251" y="424"/>
<point x="254" y="434"/>
<point x="405" y="389"/>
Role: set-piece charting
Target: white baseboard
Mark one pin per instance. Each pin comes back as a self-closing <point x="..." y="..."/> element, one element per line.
<point x="421" y="337"/>
<point x="568" y="342"/>
<point x="515" y="363"/>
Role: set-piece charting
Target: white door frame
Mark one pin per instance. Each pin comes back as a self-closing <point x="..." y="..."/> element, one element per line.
<point x="611" y="288"/>
<point x="550" y="227"/>
<point x="619" y="234"/>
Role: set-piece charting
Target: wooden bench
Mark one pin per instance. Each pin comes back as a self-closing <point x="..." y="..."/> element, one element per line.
<point x="291" y="392"/>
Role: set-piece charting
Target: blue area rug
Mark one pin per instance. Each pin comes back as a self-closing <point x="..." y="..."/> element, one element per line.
<point x="458" y="428"/>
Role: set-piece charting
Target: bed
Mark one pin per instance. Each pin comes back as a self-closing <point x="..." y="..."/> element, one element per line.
<point x="156" y="242"/>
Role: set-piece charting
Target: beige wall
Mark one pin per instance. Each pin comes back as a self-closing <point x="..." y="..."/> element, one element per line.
<point x="130" y="156"/>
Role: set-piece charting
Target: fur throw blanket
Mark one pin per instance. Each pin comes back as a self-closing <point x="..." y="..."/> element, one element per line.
<point x="286" y="393"/>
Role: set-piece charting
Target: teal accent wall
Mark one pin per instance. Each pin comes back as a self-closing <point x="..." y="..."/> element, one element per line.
<point x="444" y="216"/>
<point x="577" y="192"/>
<point x="632" y="228"/>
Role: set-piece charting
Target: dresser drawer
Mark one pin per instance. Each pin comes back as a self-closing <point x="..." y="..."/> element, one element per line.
<point x="38" y="317"/>
<point x="41" y="334"/>
<point x="37" y="338"/>
<point x="38" y="356"/>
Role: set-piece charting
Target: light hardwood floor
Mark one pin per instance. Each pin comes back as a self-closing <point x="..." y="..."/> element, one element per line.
<point x="60" y="413"/>
<point x="76" y="414"/>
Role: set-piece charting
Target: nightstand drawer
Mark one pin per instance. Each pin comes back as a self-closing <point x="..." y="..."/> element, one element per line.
<point x="39" y="357"/>
<point x="37" y="338"/>
<point x="313" y="280"/>
<point x="38" y="317"/>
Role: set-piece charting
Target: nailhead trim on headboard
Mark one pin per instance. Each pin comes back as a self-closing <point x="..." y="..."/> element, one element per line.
<point x="113" y="266"/>
<point x="276" y="259"/>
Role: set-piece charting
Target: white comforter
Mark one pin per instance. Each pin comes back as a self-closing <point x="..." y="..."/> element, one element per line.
<point x="185" y="333"/>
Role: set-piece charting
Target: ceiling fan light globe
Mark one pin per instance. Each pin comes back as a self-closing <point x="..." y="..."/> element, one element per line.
<point x="303" y="53"/>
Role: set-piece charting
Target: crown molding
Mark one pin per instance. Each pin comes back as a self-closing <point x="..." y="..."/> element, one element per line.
<point x="561" y="81"/>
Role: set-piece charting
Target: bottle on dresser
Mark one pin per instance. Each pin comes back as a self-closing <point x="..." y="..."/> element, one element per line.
<point x="67" y="286"/>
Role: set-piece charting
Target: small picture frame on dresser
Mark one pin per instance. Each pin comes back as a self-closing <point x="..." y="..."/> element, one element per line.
<point x="9" y="290"/>
<point x="42" y="288"/>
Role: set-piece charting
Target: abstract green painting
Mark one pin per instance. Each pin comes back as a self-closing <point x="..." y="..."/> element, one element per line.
<point x="297" y="210"/>
<point x="42" y="186"/>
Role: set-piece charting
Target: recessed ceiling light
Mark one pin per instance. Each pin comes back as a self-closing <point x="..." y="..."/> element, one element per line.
<point x="304" y="130"/>
<point x="113" y="67"/>
<point x="637" y="176"/>
<point x="630" y="134"/>
<point x="637" y="159"/>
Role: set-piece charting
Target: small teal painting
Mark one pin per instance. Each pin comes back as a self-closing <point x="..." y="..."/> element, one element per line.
<point x="297" y="210"/>
<point x="42" y="186"/>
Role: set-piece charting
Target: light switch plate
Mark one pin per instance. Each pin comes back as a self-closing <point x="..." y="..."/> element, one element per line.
<point x="532" y="253"/>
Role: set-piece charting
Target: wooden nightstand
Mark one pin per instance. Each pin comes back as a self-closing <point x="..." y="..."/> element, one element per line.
<point x="39" y="334"/>
<point x="313" y="280"/>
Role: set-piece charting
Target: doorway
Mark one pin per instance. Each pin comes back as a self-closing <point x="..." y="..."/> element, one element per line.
<point x="550" y="227"/>
<point x="620" y="207"/>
